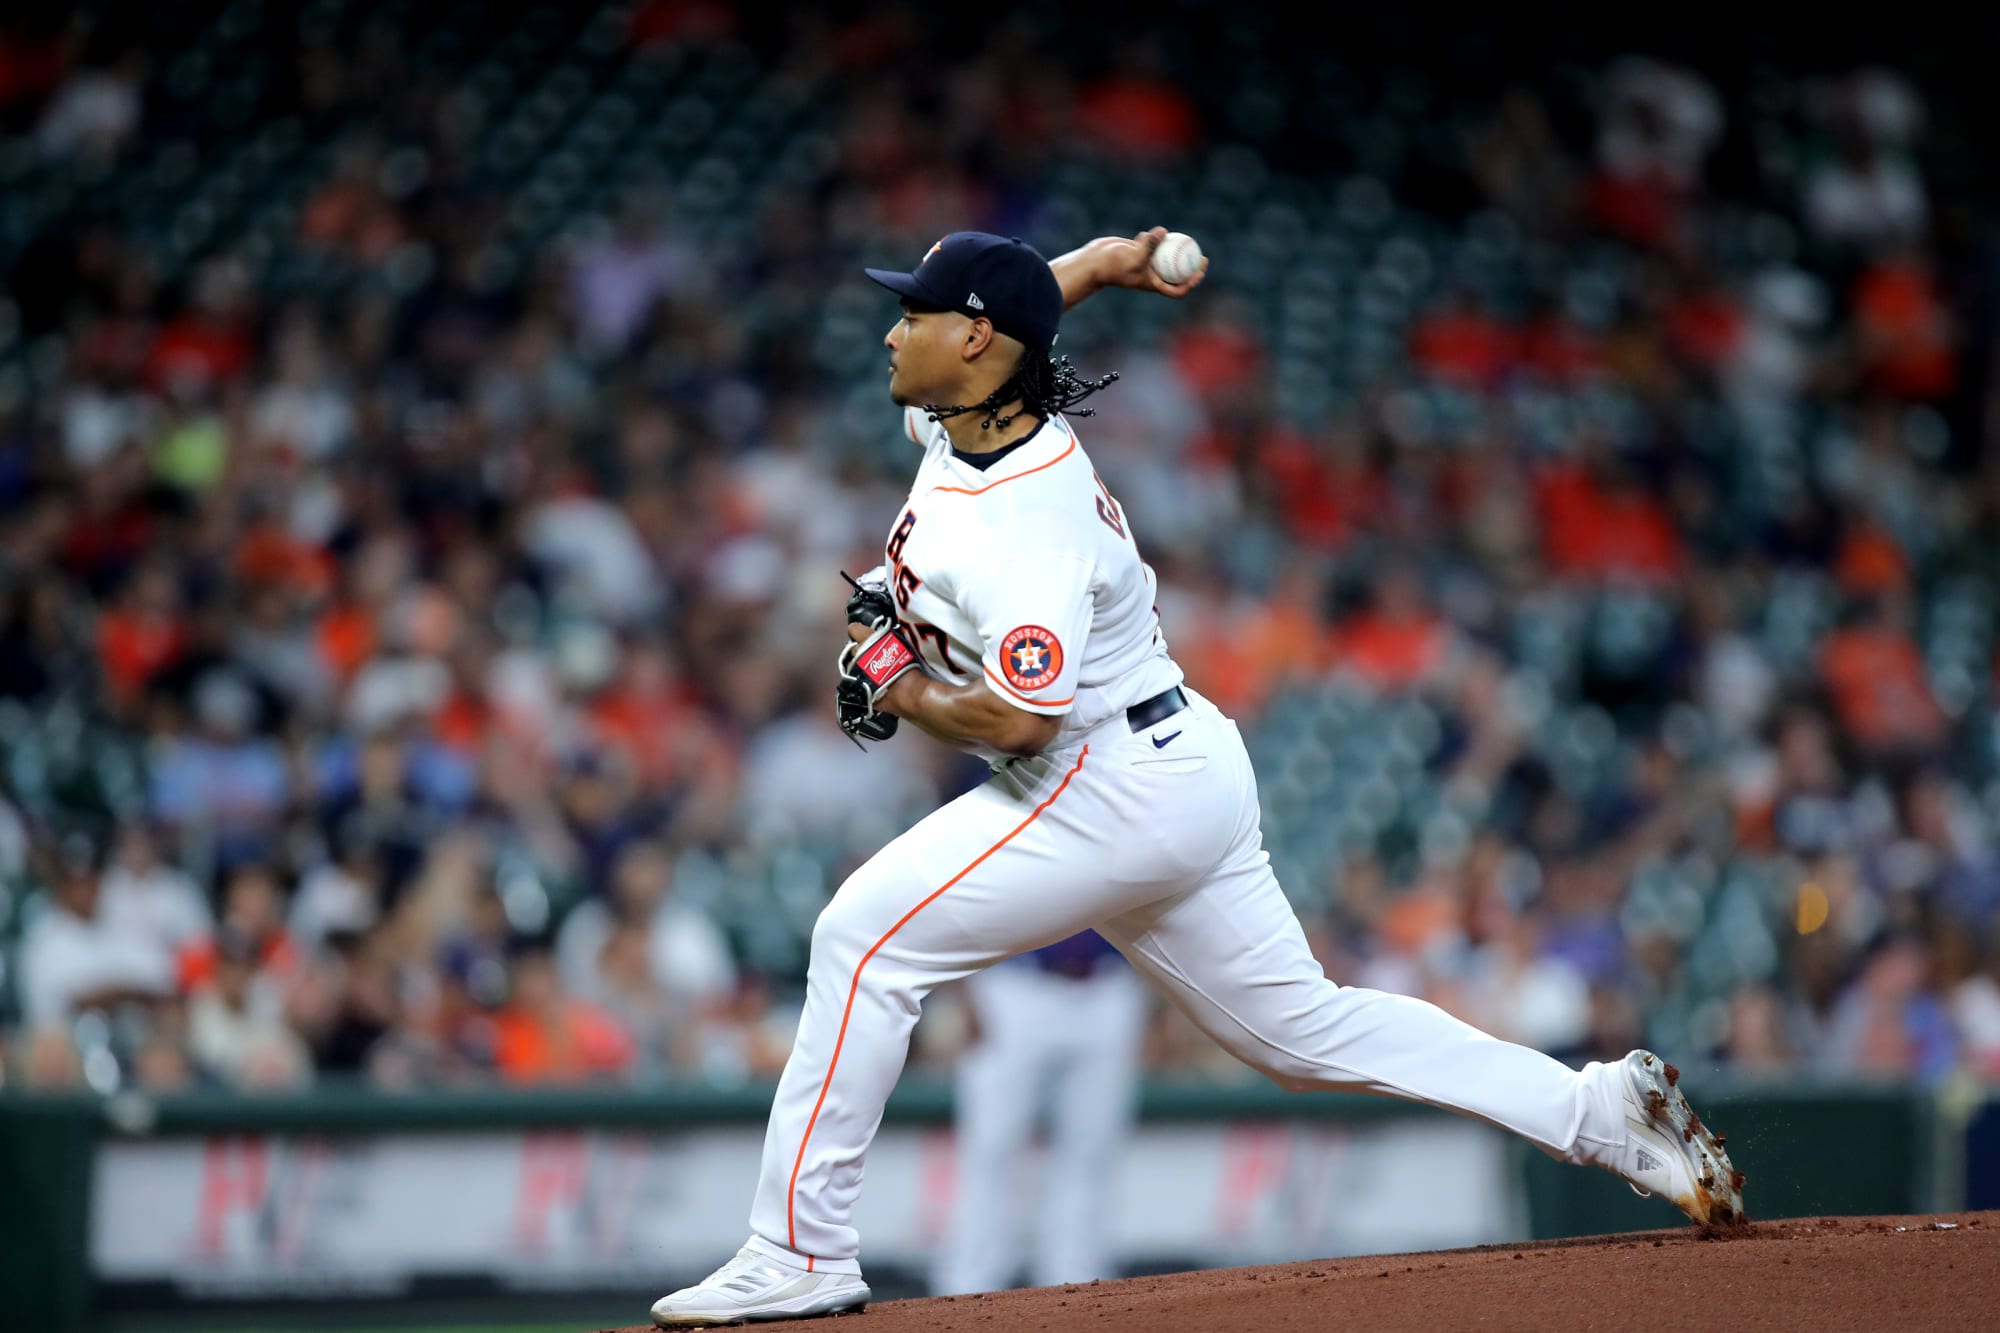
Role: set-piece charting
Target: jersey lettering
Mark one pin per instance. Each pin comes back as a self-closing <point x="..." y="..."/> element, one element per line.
<point x="907" y="582"/>
<point x="901" y="536"/>
<point x="1107" y="508"/>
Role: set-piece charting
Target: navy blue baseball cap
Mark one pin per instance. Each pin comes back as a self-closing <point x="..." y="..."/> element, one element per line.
<point x="1003" y="279"/>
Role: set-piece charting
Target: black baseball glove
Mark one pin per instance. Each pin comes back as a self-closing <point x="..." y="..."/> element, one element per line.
<point x="871" y="602"/>
<point x="869" y="666"/>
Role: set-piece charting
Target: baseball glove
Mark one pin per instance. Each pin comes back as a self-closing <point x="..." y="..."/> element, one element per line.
<point x="869" y="666"/>
<point x="870" y="603"/>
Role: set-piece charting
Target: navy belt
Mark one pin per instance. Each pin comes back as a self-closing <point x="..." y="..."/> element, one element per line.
<point x="1156" y="709"/>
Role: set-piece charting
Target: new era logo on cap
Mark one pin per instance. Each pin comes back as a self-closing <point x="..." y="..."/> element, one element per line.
<point x="972" y="299"/>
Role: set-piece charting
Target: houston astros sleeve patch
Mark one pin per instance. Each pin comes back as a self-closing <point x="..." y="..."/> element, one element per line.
<point x="1030" y="657"/>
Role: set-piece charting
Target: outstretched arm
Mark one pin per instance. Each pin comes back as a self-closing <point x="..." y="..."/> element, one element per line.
<point x="1113" y="261"/>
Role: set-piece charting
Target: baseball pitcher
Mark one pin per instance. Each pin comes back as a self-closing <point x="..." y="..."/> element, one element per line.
<point x="1013" y="618"/>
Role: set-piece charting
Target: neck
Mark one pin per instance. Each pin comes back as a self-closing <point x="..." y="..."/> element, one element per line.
<point x="968" y="438"/>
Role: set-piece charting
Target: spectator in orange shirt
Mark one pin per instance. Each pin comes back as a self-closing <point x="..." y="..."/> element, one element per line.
<point x="1598" y="522"/>
<point x="546" y="1036"/>
<point x="253" y="910"/>
<point x="1705" y="325"/>
<point x="649" y="714"/>
<point x="1283" y="637"/>
<point x="345" y="636"/>
<point x="1870" y="561"/>
<point x="351" y="628"/>
<point x="1297" y="473"/>
<point x="1876" y="677"/>
<point x="144" y="633"/>
<point x="1218" y="354"/>
<point x="1217" y="666"/>
<point x="468" y="718"/>
<point x="112" y="523"/>
<point x="1907" y="345"/>
<point x="1398" y="642"/>
<point x="210" y="341"/>
<point x="1463" y="344"/>
<point x="1138" y="111"/>
<point x="1555" y="346"/>
<point x="350" y="213"/>
<point x="1203" y="613"/>
<point x="266" y="553"/>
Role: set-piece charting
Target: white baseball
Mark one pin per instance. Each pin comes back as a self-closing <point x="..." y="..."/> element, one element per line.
<point x="1178" y="258"/>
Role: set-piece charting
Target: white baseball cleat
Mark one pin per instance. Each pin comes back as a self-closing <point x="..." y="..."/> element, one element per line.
<point x="1669" y="1152"/>
<point x="755" y="1286"/>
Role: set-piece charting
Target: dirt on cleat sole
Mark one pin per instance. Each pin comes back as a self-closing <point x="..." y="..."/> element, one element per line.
<point x="1718" y="1201"/>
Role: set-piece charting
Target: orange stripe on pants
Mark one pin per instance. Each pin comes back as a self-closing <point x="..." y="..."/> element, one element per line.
<point x="854" y="988"/>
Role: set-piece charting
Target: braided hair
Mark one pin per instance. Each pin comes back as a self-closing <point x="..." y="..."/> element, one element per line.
<point x="1044" y="384"/>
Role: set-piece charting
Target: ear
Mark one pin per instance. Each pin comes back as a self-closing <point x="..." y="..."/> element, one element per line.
<point x="978" y="337"/>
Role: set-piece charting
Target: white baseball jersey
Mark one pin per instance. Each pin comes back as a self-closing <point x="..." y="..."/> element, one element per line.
<point x="1025" y="574"/>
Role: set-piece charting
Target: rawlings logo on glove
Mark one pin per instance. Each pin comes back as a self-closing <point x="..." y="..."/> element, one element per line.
<point x="889" y="659"/>
<point x="869" y="666"/>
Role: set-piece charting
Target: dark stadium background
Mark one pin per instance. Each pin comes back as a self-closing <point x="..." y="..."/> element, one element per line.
<point x="429" y="434"/>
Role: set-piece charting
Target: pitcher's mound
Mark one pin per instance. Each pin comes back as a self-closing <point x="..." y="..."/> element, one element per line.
<point x="1821" y="1274"/>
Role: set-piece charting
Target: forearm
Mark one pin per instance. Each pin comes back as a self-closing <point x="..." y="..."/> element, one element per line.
<point x="1113" y="261"/>
<point x="963" y="716"/>
<point x="1080" y="273"/>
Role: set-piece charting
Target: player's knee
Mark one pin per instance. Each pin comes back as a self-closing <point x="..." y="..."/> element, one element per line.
<point x="834" y="936"/>
<point x="1292" y="1080"/>
<point x="1288" y="1072"/>
<point x="850" y="922"/>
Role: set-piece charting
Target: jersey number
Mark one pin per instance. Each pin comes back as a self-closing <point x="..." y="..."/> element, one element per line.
<point x="935" y="637"/>
<point x="1107" y="508"/>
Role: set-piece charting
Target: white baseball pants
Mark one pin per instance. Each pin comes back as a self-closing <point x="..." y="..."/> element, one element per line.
<point x="1152" y="838"/>
<point x="1067" y="1047"/>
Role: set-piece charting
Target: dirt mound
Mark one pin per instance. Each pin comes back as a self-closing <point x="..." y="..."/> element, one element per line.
<point x="1805" y="1273"/>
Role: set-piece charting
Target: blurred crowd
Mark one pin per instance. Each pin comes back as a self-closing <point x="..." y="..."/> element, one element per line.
<point x="425" y="678"/>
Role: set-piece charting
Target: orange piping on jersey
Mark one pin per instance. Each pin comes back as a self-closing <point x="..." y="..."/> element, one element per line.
<point x="910" y="431"/>
<point x="854" y="988"/>
<point x="1039" y="703"/>
<point x="981" y="490"/>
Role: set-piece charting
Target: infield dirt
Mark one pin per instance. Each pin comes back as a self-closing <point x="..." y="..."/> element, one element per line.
<point x="1874" y="1273"/>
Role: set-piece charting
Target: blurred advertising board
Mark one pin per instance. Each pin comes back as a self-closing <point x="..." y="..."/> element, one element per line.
<point x="292" y="1215"/>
